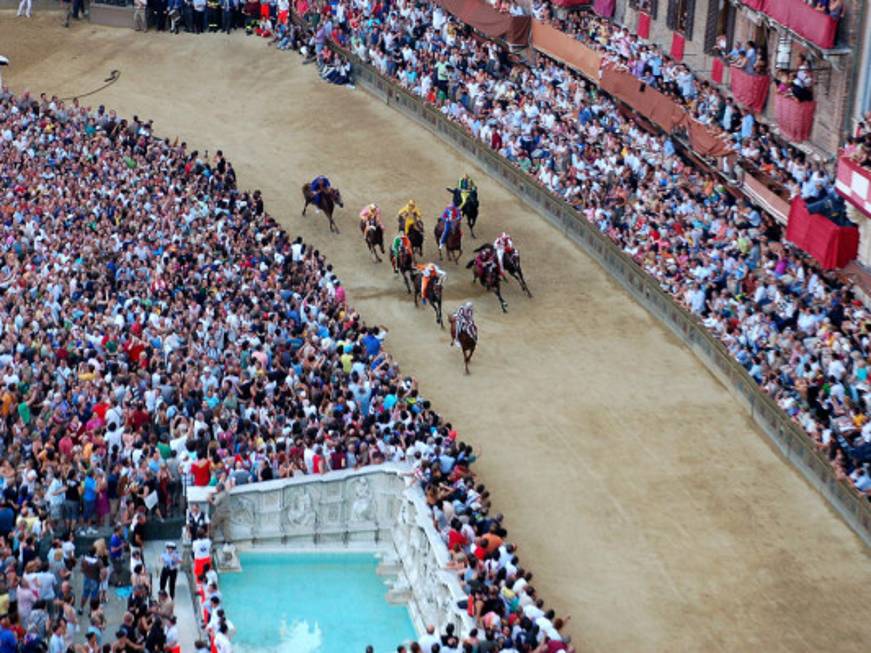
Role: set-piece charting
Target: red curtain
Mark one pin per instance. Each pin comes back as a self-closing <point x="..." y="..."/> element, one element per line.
<point x="755" y="4"/>
<point x="604" y="8"/>
<point x="803" y="19"/>
<point x="832" y="246"/>
<point x="795" y="119"/>
<point x="717" y="70"/>
<point x="677" y="46"/>
<point x="751" y="91"/>
<point x="643" y="25"/>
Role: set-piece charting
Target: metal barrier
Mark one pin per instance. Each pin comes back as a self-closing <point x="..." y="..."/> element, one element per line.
<point x="788" y="437"/>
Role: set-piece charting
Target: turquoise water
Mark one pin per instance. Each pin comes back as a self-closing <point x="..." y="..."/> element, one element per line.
<point x="312" y="603"/>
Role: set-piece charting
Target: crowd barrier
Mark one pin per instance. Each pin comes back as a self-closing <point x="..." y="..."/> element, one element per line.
<point x="787" y="436"/>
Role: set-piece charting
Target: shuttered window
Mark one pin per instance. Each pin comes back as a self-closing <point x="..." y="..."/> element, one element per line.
<point x="680" y="16"/>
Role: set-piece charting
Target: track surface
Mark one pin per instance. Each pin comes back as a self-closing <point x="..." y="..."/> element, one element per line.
<point x="648" y="505"/>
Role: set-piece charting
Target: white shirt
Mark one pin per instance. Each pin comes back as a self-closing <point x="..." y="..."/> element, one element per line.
<point x="202" y="548"/>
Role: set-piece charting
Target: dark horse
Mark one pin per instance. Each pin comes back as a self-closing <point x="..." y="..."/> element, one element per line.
<point x="467" y="338"/>
<point x="486" y="270"/>
<point x="433" y="296"/>
<point x="511" y="261"/>
<point x="415" y="235"/>
<point x="329" y="198"/>
<point x="404" y="263"/>
<point x="469" y="208"/>
<point x="374" y="235"/>
<point x="454" y="244"/>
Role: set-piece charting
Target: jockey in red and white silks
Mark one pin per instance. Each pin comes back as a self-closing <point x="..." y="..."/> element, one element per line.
<point x="503" y="245"/>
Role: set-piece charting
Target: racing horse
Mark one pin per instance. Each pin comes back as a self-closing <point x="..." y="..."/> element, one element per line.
<point x="374" y="236"/>
<point x="329" y="199"/>
<point x="486" y="270"/>
<point x="511" y="263"/>
<point x="454" y="244"/>
<point x="433" y="295"/>
<point x="464" y="332"/>
<point x="415" y="235"/>
<point x="469" y="208"/>
<point x="405" y="264"/>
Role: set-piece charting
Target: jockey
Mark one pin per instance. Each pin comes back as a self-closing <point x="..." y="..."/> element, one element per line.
<point x="466" y="186"/>
<point x="464" y="320"/>
<point x="409" y="214"/>
<point x="451" y="216"/>
<point x="319" y="185"/>
<point x="428" y="272"/>
<point x="400" y="241"/>
<point x="503" y="245"/>
<point x="370" y="217"/>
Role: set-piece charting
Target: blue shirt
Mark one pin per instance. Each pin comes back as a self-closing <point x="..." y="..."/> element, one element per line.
<point x="8" y="641"/>
<point x="371" y="344"/>
<point x="90" y="493"/>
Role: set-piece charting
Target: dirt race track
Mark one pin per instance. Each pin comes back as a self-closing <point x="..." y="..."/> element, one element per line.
<point x="648" y="505"/>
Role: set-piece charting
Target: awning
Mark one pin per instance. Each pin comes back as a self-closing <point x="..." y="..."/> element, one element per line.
<point x="564" y="48"/>
<point x="485" y="19"/>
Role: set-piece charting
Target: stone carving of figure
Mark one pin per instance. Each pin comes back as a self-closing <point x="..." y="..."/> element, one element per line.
<point x="243" y="513"/>
<point x="361" y="508"/>
<point x="220" y="514"/>
<point x="300" y="512"/>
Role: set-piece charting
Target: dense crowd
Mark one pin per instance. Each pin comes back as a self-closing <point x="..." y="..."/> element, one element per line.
<point x="801" y="334"/>
<point x="758" y="147"/>
<point x="161" y="330"/>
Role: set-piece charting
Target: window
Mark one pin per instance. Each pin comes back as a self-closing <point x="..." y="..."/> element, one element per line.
<point x="647" y="6"/>
<point x="680" y="16"/>
<point x="720" y="27"/>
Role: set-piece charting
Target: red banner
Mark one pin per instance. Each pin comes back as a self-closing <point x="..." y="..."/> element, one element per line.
<point x="643" y="28"/>
<point x="854" y="183"/>
<point x="803" y="19"/>
<point x="481" y="16"/>
<point x="677" y="46"/>
<point x="717" y="70"/>
<point x="751" y="91"/>
<point x="570" y="3"/>
<point x="831" y="245"/>
<point x="795" y="119"/>
<point x="755" y="4"/>
<point x="604" y="8"/>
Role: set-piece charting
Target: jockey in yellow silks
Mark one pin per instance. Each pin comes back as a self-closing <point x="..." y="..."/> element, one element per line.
<point x="466" y="186"/>
<point x="428" y="273"/>
<point x="409" y="214"/>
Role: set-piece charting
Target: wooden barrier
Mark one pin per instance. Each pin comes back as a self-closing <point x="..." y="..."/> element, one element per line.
<point x="789" y="438"/>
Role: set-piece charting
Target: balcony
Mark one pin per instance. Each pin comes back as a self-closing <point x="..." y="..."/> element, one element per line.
<point x="802" y="19"/>
<point x="854" y="184"/>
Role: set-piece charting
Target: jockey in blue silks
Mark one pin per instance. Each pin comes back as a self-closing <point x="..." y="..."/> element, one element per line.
<point x="451" y="215"/>
<point x="319" y="185"/>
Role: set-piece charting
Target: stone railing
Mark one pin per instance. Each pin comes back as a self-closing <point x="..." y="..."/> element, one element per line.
<point x="372" y="509"/>
<point x="786" y="435"/>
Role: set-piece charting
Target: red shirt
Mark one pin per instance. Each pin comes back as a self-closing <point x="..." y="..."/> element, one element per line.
<point x="202" y="473"/>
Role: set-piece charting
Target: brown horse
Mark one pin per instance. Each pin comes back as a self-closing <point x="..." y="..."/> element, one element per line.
<point x="415" y="234"/>
<point x="329" y="198"/>
<point x="454" y="244"/>
<point x="373" y="233"/>
<point x="433" y="296"/>
<point x="467" y="336"/>
<point x="486" y="270"/>
<point x="404" y="265"/>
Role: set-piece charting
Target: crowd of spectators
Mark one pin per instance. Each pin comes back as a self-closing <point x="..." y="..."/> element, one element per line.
<point x="161" y="330"/>
<point x="859" y="144"/>
<point x="801" y="334"/>
<point x="759" y="149"/>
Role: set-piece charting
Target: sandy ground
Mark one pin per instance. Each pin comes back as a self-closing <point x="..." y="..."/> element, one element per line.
<point x="648" y="505"/>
